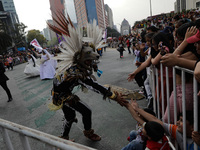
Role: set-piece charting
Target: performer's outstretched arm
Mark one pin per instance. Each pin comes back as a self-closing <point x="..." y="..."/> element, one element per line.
<point x="96" y="87"/>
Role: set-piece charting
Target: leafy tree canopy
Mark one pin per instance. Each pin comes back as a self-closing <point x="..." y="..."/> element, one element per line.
<point x="32" y="34"/>
<point x="52" y="43"/>
<point x="18" y="35"/>
<point x="5" y="41"/>
<point x="112" y="32"/>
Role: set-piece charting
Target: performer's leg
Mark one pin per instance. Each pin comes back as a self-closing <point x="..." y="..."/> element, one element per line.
<point x="87" y="115"/>
<point x="70" y="115"/>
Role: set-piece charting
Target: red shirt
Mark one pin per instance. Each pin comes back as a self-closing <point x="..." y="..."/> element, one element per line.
<point x="152" y="145"/>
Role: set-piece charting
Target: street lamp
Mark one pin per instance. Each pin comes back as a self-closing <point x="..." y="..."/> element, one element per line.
<point x="150" y="8"/>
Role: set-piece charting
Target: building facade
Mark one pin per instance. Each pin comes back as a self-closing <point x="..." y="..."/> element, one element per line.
<point x="109" y="15"/>
<point x="49" y="33"/>
<point x="70" y="10"/>
<point x="125" y="27"/>
<point x="9" y="6"/>
<point x="81" y="13"/>
<point x="87" y="10"/>
<point x="181" y="5"/>
<point x="55" y="7"/>
<point x="46" y="33"/>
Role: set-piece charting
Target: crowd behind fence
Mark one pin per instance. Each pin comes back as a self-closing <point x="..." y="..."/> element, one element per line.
<point x="155" y="83"/>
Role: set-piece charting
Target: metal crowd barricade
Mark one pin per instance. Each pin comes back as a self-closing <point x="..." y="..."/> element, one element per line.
<point x="32" y="139"/>
<point x="155" y="81"/>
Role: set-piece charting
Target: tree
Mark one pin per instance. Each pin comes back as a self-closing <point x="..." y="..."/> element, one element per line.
<point x="112" y="32"/>
<point x="5" y="41"/>
<point x="18" y="35"/>
<point x="53" y="42"/>
<point x="35" y="34"/>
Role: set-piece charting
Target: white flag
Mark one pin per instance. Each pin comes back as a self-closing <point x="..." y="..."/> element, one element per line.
<point x="35" y="43"/>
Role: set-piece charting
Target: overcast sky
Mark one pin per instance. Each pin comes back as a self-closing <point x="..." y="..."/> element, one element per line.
<point x="34" y="13"/>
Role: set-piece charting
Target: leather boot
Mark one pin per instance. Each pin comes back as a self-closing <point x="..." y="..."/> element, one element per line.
<point x="91" y="135"/>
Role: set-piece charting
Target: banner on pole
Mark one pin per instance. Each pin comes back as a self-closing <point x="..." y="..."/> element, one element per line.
<point x="35" y="43"/>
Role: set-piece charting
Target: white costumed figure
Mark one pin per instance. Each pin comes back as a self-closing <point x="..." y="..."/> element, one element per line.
<point x="47" y="70"/>
<point x="32" y="69"/>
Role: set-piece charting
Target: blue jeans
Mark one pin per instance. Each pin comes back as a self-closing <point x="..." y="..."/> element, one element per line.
<point x="134" y="144"/>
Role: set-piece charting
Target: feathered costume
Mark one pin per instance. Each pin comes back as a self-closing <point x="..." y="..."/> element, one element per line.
<point x="75" y="68"/>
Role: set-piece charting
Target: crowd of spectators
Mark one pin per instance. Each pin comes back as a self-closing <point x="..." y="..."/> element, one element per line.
<point x="14" y="58"/>
<point x="172" y="40"/>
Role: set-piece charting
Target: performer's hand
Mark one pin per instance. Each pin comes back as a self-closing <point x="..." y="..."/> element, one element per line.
<point x="120" y="100"/>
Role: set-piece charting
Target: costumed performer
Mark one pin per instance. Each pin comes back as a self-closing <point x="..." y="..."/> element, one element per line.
<point x="32" y="69"/>
<point x="47" y="70"/>
<point x="74" y="70"/>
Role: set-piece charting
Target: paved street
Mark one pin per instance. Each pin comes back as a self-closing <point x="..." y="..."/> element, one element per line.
<point x="110" y="120"/>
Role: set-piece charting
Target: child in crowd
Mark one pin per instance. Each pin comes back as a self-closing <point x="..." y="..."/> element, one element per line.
<point x="152" y="130"/>
<point x="137" y="139"/>
<point x="175" y="131"/>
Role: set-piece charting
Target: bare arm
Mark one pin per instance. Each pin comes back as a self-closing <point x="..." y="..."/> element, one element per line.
<point x="186" y="61"/>
<point x="134" y="113"/>
<point x="156" y="60"/>
<point x="146" y="115"/>
<point x="145" y="64"/>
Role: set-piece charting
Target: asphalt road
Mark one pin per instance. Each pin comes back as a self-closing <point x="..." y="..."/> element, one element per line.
<point x="109" y="119"/>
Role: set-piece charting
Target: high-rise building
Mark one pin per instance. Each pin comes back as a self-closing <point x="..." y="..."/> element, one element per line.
<point x="109" y="15"/>
<point x="46" y="33"/>
<point x="125" y="27"/>
<point x="55" y="7"/>
<point x="50" y="32"/>
<point x="70" y="10"/>
<point x="87" y="10"/>
<point x="9" y="6"/>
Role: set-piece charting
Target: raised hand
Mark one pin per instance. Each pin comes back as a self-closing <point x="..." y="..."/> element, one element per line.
<point x="131" y="76"/>
<point x="134" y="104"/>
<point x="120" y="100"/>
<point x="190" y="32"/>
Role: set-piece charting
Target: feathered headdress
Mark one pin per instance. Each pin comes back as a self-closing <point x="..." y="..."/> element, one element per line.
<point x="72" y="44"/>
<point x="94" y="35"/>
